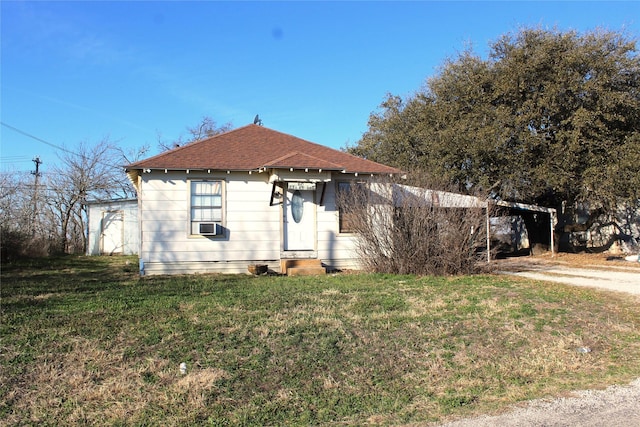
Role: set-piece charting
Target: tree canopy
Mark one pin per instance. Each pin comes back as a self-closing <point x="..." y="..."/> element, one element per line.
<point x="547" y="117"/>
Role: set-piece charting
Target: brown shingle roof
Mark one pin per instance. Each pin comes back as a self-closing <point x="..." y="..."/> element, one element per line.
<point x="253" y="147"/>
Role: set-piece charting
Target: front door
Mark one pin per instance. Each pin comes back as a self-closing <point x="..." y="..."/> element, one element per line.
<point x="299" y="220"/>
<point x="112" y="232"/>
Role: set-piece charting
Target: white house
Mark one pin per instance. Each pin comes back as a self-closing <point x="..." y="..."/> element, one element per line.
<point x="251" y="196"/>
<point x="113" y="227"/>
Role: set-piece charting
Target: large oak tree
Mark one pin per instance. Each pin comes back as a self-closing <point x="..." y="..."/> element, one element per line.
<point x="549" y="117"/>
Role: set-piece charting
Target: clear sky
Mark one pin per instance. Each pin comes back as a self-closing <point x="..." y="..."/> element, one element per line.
<point x="132" y="70"/>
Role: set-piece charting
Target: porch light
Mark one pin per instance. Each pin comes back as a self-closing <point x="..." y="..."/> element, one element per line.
<point x="275" y="194"/>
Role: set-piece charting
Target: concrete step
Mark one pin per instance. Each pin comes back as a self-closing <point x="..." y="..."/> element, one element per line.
<point x="306" y="271"/>
<point x="300" y="267"/>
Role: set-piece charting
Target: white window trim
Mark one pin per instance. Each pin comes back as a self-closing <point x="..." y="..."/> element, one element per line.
<point x="223" y="208"/>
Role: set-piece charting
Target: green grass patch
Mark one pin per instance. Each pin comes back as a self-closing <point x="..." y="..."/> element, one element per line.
<point x="84" y="340"/>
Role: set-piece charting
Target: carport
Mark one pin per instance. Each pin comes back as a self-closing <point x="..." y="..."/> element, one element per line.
<point x="446" y="199"/>
<point x="527" y="209"/>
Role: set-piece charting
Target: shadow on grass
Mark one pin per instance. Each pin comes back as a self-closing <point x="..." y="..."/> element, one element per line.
<point x="44" y="282"/>
<point x="66" y="274"/>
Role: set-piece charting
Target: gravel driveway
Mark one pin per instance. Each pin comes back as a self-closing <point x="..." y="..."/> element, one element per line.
<point x="617" y="406"/>
<point x="621" y="276"/>
<point x="614" y="406"/>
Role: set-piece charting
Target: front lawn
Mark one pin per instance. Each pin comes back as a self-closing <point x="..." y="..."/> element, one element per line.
<point x="86" y="341"/>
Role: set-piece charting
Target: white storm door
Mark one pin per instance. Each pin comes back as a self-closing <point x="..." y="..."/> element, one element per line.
<point x="299" y="221"/>
<point x="112" y="232"/>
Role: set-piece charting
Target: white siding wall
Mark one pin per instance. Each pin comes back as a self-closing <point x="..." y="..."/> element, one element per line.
<point x="251" y="227"/>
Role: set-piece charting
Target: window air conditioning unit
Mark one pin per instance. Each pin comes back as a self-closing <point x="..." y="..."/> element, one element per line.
<point x="209" y="229"/>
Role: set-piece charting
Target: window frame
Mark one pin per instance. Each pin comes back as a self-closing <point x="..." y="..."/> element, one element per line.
<point x="343" y="217"/>
<point x="193" y="223"/>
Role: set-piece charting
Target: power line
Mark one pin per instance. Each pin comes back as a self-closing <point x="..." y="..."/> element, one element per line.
<point x="57" y="147"/>
<point x="5" y="160"/>
<point x="15" y="129"/>
<point x="15" y="157"/>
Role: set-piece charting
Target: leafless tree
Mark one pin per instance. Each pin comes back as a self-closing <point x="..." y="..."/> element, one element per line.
<point x="206" y="128"/>
<point x="58" y="225"/>
<point x="14" y="220"/>
<point x="89" y="172"/>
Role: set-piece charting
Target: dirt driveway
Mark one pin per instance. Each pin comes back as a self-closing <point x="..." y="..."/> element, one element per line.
<point x="615" y="406"/>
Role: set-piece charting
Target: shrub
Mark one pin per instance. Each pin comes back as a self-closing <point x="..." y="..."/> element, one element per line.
<point x="408" y="229"/>
<point x="17" y="245"/>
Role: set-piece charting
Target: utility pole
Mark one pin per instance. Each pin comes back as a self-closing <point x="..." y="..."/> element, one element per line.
<point x="37" y="175"/>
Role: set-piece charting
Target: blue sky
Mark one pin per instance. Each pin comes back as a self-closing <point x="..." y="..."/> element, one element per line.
<point x="84" y="71"/>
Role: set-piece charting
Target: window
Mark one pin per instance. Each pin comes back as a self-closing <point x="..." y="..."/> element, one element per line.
<point x="206" y="204"/>
<point x="349" y="196"/>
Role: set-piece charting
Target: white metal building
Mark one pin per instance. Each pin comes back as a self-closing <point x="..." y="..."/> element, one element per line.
<point x="113" y="227"/>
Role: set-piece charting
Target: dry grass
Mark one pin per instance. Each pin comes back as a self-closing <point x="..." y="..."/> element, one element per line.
<point x="354" y="349"/>
<point x="75" y="384"/>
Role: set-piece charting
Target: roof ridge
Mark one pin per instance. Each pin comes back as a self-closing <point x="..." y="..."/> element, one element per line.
<point x="298" y="153"/>
<point x="286" y="156"/>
